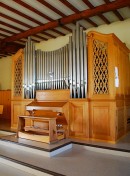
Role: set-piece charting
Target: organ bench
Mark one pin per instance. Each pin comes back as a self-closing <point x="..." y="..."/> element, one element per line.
<point x="46" y="125"/>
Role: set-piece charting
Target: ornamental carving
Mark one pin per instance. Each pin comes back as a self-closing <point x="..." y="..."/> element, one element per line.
<point x="18" y="77"/>
<point x="100" y="67"/>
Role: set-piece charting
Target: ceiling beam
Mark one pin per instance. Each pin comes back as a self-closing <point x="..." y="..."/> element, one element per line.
<point x="71" y="18"/>
<point x="91" y="22"/>
<point x="49" y="35"/>
<point x="11" y="26"/>
<point x="32" y="9"/>
<point x="115" y="11"/>
<point x="5" y="30"/>
<point x="58" y="32"/>
<point x="70" y="6"/>
<point x="10" y="48"/>
<point x="15" y="20"/>
<point x="96" y="11"/>
<point x="20" y="30"/>
<point x="100" y="15"/>
<point x="19" y="13"/>
<point x="19" y="22"/>
<point x="43" y="2"/>
<point x="36" y="11"/>
<point x="118" y="15"/>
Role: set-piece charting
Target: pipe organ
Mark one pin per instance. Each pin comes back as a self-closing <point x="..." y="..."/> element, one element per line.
<point x="64" y="68"/>
<point x="94" y="76"/>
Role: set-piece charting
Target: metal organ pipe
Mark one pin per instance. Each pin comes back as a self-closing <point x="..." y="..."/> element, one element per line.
<point x="78" y="63"/>
<point x="70" y="66"/>
<point x="64" y="68"/>
<point x="29" y="69"/>
<point x="60" y="69"/>
<point x="45" y="70"/>
<point x="74" y="80"/>
<point x="25" y="70"/>
<point x="78" y="60"/>
<point x="33" y="71"/>
<point x="81" y="64"/>
<point x="36" y="70"/>
<point x="85" y="65"/>
<point x="54" y="67"/>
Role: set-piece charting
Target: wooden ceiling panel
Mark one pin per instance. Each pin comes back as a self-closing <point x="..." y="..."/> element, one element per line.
<point x="16" y="17"/>
<point x="80" y="5"/>
<point x="33" y="10"/>
<point x="45" y="19"/>
<point x="125" y="12"/>
<point x="115" y="11"/>
<point x="24" y="12"/>
<point x="38" y="6"/>
<point x="45" y="3"/>
<point x="111" y="16"/>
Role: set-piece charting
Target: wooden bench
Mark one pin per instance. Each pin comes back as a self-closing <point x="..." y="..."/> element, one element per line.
<point x="47" y="126"/>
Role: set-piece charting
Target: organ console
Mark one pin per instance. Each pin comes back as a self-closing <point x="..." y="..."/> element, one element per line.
<point x="47" y="121"/>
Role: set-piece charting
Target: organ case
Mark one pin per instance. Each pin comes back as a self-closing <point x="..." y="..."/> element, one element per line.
<point x="104" y="113"/>
<point x="109" y="86"/>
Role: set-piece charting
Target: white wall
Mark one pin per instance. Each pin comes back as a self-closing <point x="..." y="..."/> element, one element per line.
<point x="121" y="29"/>
<point x="53" y="44"/>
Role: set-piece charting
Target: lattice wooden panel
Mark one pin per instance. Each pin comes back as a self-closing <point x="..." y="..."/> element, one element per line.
<point x="18" y="77"/>
<point x="100" y="67"/>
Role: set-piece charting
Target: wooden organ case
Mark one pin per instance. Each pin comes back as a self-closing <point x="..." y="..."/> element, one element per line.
<point x="109" y="86"/>
<point x="97" y="108"/>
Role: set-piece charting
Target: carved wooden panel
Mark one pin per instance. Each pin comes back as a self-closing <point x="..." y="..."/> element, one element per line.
<point x="100" y="67"/>
<point x="18" y="77"/>
<point x="101" y="121"/>
<point x="79" y="122"/>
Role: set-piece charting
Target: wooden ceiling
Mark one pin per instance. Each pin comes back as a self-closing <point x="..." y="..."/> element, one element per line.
<point x="45" y="19"/>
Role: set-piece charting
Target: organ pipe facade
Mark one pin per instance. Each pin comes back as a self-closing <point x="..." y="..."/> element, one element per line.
<point x="64" y="68"/>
